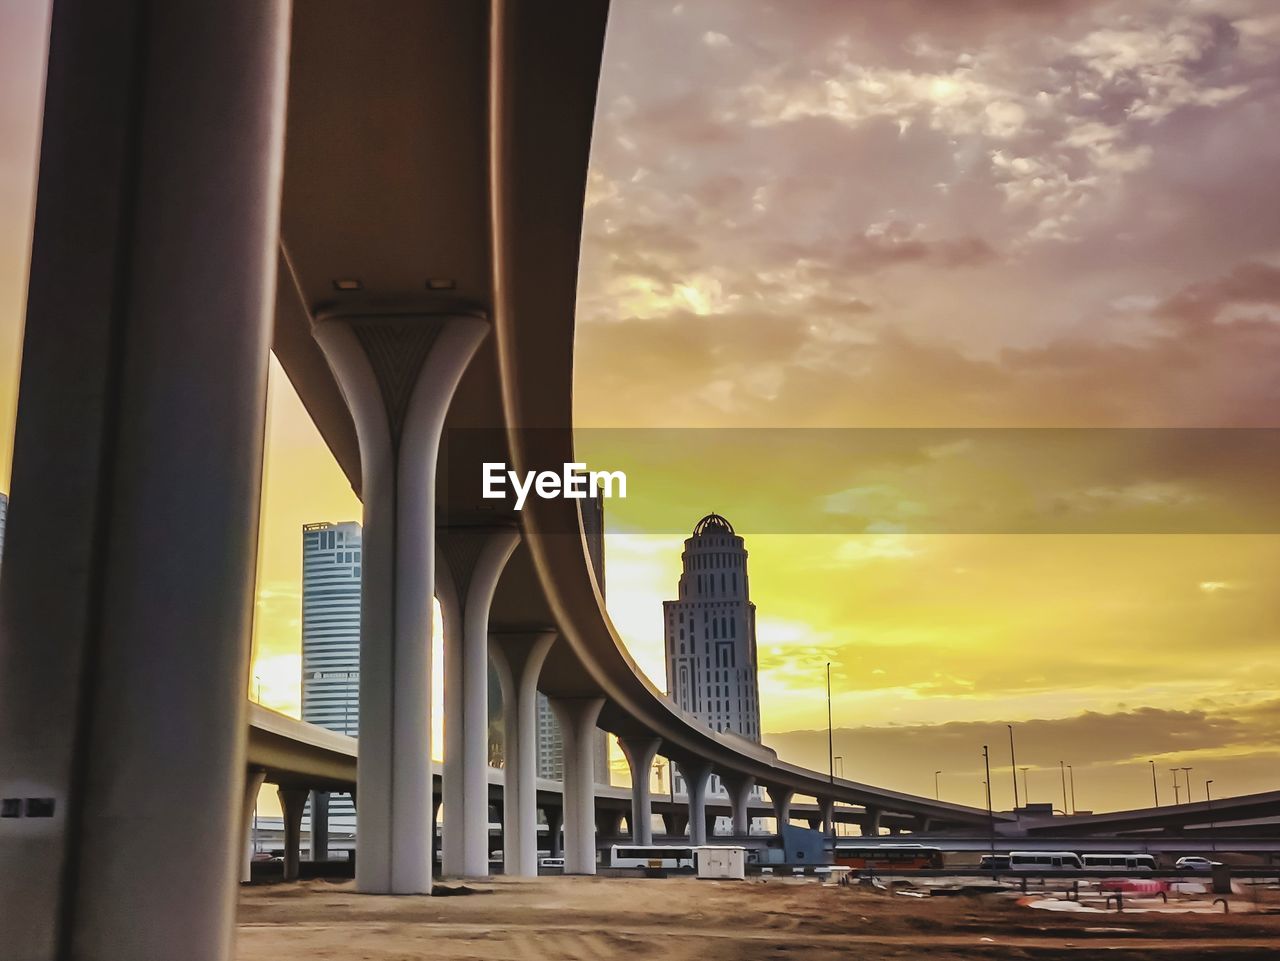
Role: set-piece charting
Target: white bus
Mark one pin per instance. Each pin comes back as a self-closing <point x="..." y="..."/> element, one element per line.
<point x="1044" y="861"/>
<point x="1120" y="862"/>
<point x="669" y="856"/>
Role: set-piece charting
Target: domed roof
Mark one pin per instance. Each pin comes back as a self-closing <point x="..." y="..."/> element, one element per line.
<point x="712" y="524"/>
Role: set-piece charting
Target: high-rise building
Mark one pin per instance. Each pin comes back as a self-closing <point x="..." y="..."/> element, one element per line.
<point x="550" y="740"/>
<point x="710" y="634"/>
<point x="331" y="636"/>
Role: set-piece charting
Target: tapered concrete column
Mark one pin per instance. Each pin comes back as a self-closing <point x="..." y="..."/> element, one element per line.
<point x="608" y="823"/>
<point x="472" y="560"/>
<point x="739" y="789"/>
<point x="577" y="717"/>
<point x="781" y="798"/>
<point x="828" y="808"/>
<point x="518" y="659"/>
<point x="696" y="779"/>
<point x="555" y="824"/>
<point x="815" y="824"/>
<point x="319" y="825"/>
<point x="640" y="752"/>
<point x="398" y="373"/>
<point x="127" y="597"/>
<point x="293" y="801"/>
<point x="870" y="825"/>
<point x="253" y="782"/>
<point x="680" y="823"/>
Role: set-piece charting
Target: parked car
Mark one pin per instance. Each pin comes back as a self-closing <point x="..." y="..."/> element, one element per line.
<point x="1195" y="863"/>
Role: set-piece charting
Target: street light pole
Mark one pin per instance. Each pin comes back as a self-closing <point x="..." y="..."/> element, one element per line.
<point x="1154" y="788"/>
<point x="991" y="820"/>
<point x="1186" y="771"/>
<point x="1026" y="791"/>
<point x="1071" y="774"/>
<point x="831" y="748"/>
<point x="1213" y="842"/>
<point x="1062" y="770"/>
<point x="1013" y="768"/>
<point x="1177" y="788"/>
<point x="937" y="795"/>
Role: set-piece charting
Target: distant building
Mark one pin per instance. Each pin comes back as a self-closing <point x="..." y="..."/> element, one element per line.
<point x="331" y="636"/>
<point x="4" y="513"/>
<point x="710" y="634"/>
<point x="550" y="740"/>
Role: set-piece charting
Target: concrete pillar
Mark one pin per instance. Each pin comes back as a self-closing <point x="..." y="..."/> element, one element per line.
<point x="518" y="659"/>
<point x="293" y="801"/>
<point x="397" y="373"/>
<point x="608" y="823"/>
<point x="739" y="789"/>
<point x="828" y="808"/>
<point x="577" y="717"/>
<point x="781" y="798"/>
<point x="669" y="825"/>
<point x="697" y="776"/>
<point x="555" y="824"/>
<point x="870" y="825"/>
<point x="815" y="824"/>
<point x="319" y="825"/>
<point x="472" y="561"/>
<point x="253" y="782"/>
<point x="127" y="595"/>
<point x="640" y="752"/>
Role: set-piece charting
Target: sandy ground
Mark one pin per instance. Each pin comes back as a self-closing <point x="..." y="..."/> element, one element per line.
<point x="596" y="919"/>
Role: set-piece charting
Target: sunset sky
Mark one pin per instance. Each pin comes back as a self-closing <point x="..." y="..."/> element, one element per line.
<point x="937" y="219"/>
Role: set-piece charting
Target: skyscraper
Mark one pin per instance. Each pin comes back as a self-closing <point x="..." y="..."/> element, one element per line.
<point x="711" y="634"/>
<point x="550" y="740"/>
<point x="331" y="635"/>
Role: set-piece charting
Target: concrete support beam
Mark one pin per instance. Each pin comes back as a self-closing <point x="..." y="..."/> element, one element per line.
<point x="398" y="374"/>
<point x="870" y="824"/>
<point x="253" y="781"/>
<point x="781" y="798"/>
<point x="293" y="801"/>
<point x="555" y="825"/>
<point x="640" y="752"/>
<point x="471" y="562"/>
<point x="319" y="825"/>
<point x="127" y="595"/>
<point x="609" y="823"/>
<point x="577" y="717"/>
<point x="815" y="824"/>
<point x="697" y="776"/>
<point x="518" y="659"/>
<point x="739" y="789"/>
<point x="828" y="808"/>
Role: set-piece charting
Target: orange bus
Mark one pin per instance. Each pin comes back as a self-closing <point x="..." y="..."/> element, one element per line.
<point x="888" y="857"/>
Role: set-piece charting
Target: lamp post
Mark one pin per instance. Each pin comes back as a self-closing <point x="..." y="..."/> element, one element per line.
<point x="1213" y="842"/>
<point x="1154" y="789"/>
<point x="1186" y="772"/>
<point x="937" y="795"/>
<point x="1062" y="770"/>
<point x="831" y="748"/>
<point x="1071" y="775"/>
<point x="1026" y="791"/>
<point x="1177" y="788"/>
<point x="991" y="820"/>
<point x="839" y="763"/>
<point x="1013" y="768"/>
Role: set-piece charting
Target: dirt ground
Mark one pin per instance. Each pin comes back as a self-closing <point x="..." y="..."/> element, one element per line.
<point x="682" y="919"/>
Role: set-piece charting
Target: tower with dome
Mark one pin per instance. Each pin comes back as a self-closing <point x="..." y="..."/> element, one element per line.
<point x="710" y="631"/>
